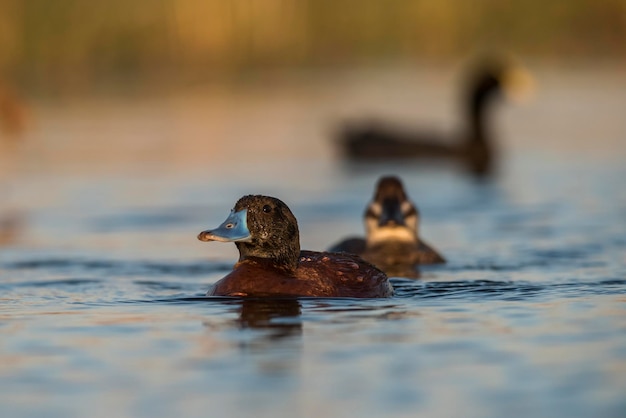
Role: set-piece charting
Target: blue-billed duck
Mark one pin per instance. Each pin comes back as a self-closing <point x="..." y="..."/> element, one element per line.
<point x="392" y="242"/>
<point x="272" y="265"/>
<point x="473" y="147"/>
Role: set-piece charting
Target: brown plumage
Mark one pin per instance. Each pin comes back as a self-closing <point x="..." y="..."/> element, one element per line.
<point x="271" y="263"/>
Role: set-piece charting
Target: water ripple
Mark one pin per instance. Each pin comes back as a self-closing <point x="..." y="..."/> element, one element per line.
<point x="121" y="267"/>
<point x="504" y="290"/>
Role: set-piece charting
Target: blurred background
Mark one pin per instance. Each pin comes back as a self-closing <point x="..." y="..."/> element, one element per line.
<point x="256" y="91"/>
<point x="169" y="79"/>
<point x="129" y="126"/>
<point x="202" y="91"/>
<point x="74" y="46"/>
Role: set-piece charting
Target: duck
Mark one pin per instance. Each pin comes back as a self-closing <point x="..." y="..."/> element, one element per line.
<point x="392" y="241"/>
<point x="474" y="147"/>
<point x="271" y="263"/>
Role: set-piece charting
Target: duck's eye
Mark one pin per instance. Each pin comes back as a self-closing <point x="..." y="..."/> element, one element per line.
<point x="267" y="208"/>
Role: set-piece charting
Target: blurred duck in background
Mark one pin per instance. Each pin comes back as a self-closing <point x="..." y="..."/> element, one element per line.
<point x="473" y="147"/>
<point x="392" y="241"/>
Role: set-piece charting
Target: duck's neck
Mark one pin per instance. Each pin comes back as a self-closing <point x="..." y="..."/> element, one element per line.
<point x="478" y="131"/>
<point x="281" y="257"/>
<point x="479" y="104"/>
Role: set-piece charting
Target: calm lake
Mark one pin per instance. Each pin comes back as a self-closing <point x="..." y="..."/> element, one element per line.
<point x="102" y="278"/>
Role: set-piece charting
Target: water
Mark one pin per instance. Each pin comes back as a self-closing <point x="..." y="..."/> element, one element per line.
<point x="102" y="310"/>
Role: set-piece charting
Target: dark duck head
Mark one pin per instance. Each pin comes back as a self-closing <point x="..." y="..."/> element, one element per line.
<point x="486" y="83"/>
<point x="261" y="227"/>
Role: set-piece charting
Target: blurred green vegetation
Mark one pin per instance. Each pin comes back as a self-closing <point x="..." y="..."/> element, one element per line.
<point x="48" y="44"/>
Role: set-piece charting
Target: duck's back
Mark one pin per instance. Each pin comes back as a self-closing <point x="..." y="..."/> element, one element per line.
<point x="378" y="141"/>
<point x="353" y="245"/>
<point x="348" y="274"/>
<point x="391" y="253"/>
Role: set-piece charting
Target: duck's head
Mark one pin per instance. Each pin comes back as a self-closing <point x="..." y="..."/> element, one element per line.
<point x="391" y="216"/>
<point x="499" y="75"/>
<point x="262" y="227"/>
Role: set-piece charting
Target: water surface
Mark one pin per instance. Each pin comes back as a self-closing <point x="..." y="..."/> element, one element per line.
<point x="102" y="280"/>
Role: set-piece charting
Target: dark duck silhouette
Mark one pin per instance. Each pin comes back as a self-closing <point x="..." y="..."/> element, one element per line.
<point x="474" y="147"/>
<point x="272" y="265"/>
<point x="392" y="242"/>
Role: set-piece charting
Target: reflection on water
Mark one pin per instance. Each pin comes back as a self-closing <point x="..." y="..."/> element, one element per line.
<point x="102" y="307"/>
<point x="275" y="329"/>
<point x="280" y="317"/>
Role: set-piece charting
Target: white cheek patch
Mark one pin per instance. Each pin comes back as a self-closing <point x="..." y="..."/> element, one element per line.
<point x="406" y="207"/>
<point x="376" y="209"/>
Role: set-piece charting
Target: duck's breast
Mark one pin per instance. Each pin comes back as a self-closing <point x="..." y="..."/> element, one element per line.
<point x="259" y="278"/>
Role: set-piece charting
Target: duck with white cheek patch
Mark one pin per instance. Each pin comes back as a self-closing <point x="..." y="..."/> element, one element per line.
<point x="392" y="241"/>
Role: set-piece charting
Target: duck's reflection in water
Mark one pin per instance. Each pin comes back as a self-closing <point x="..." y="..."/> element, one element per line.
<point x="279" y="318"/>
<point x="270" y="333"/>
